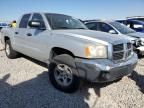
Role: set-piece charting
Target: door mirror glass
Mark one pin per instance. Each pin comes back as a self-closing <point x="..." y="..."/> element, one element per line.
<point x="112" y="32"/>
<point x="35" y="24"/>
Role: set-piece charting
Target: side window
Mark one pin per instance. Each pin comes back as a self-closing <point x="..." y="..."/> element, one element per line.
<point x="92" y="26"/>
<point x="135" y="25"/>
<point x="24" y="21"/>
<point x="130" y="24"/>
<point x="38" y="17"/>
<point x="105" y="27"/>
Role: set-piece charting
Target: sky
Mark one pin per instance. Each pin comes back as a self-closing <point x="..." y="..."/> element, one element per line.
<point x="82" y="9"/>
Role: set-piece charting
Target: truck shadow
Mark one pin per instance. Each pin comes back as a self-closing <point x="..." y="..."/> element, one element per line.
<point x="39" y="93"/>
<point x="35" y="61"/>
<point x="139" y="80"/>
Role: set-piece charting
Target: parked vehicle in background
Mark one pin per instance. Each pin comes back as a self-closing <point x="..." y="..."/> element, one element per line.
<point x="71" y="50"/>
<point x="140" y="18"/>
<point x="116" y="28"/>
<point x="3" y="25"/>
<point x="134" y="24"/>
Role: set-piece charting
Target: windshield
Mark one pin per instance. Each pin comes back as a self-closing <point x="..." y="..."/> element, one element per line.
<point x="122" y="28"/>
<point x="58" y="21"/>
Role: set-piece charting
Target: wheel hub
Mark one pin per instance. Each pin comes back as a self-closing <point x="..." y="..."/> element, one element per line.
<point x="63" y="75"/>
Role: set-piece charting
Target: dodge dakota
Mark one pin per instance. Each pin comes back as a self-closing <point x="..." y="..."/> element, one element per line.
<point x="71" y="51"/>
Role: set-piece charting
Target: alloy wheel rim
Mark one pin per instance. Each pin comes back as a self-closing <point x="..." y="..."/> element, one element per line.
<point x="63" y="75"/>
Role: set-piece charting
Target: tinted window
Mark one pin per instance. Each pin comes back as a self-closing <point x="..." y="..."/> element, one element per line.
<point x="24" y="21"/>
<point x="105" y="27"/>
<point x="129" y="24"/>
<point x="38" y="17"/>
<point x="58" y="21"/>
<point x="134" y="25"/>
<point x="138" y="26"/>
<point x="92" y="26"/>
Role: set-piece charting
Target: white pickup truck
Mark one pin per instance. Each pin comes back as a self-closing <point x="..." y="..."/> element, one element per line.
<point x="71" y="50"/>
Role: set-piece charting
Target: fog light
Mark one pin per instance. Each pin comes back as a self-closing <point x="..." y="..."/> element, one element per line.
<point x="105" y="76"/>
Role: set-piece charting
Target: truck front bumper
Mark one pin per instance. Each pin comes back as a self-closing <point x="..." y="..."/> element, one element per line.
<point x="104" y="70"/>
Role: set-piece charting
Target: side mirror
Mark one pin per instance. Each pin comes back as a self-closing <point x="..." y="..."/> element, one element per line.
<point x="35" y="24"/>
<point x="112" y="32"/>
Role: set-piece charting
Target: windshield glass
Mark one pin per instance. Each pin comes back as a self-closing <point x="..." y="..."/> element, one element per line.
<point x="122" y="28"/>
<point x="58" y="21"/>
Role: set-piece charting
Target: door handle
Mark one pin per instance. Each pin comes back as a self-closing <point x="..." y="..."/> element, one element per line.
<point x="16" y="33"/>
<point x="29" y="34"/>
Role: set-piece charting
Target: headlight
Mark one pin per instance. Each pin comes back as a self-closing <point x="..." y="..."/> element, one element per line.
<point x="99" y="51"/>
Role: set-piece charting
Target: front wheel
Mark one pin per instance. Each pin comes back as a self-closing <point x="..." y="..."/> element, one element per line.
<point x="63" y="74"/>
<point x="10" y="53"/>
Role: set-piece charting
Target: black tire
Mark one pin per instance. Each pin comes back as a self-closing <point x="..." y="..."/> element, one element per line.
<point x="12" y="53"/>
<point x="68" y="61"/>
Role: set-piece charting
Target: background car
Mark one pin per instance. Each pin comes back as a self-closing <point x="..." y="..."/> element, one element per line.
<point x="2" y="25"/>
<point x="133" y="24"/>
<point x="140" y="18"/>
<point x="120" y="29"/>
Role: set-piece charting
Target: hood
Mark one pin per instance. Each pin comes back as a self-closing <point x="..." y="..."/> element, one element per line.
<point x="131" y="38"/>
<point x="93" y="35"/>
<point x="136" y="34"/>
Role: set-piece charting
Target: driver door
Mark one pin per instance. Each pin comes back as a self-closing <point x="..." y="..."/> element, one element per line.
<point x="37" y="39"/>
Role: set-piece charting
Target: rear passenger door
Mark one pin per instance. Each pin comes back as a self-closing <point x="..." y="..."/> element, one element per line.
<point x="20" y="33"/>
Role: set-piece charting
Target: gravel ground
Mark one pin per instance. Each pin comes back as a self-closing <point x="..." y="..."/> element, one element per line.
<point x="24" y="83"/>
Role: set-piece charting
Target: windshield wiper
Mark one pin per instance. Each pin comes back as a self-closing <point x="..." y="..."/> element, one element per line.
<point x="68" y="28"/>
<point x="79" y="28"/>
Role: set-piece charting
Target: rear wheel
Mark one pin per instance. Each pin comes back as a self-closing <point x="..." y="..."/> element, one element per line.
<point x="63" y="74"/>
<point x="10" y="53"/>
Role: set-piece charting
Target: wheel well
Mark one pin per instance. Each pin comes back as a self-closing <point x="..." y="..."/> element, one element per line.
<point x="6" y="38"/>
<point x="58" y="51"/>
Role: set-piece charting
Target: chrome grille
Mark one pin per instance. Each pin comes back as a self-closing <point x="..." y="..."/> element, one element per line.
<point x="122" y="51"/>
<point x="128" y="53"/>
<point x="129" y="45"/>
<point x="117" y="56"/>
<point x="129" y="49"/>
<point x="118" y="47"/>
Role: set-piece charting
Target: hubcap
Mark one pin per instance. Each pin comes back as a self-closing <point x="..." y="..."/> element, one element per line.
<point x="7" y="49"/>
<point x="63" y="75"/>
